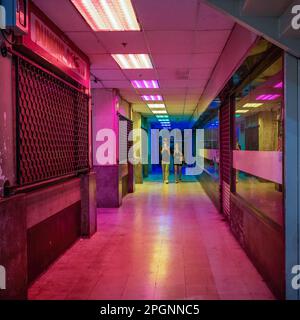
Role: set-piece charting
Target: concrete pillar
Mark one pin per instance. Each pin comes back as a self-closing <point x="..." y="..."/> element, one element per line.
<point x="292" y="172"/>
<point x="7" y="120"/>
<point x="109" y="184"/>
<point x="88" y="205"/>
<point x="13" y="248"/>
<point x="138" y="168"/>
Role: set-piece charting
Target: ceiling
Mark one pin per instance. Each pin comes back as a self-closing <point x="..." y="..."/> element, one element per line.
<point x="184" y="40"/>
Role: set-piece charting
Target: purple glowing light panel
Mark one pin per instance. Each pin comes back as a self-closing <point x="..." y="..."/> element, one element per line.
<point x="152" y="98"/>
<point x="268" y="97"/>
<point x="145" y="84"/>
<point x="279" y="85"/>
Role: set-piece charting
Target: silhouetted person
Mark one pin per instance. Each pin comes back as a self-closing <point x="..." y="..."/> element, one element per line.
<point x="165" y="160"/>
<point x="178" y="162"/>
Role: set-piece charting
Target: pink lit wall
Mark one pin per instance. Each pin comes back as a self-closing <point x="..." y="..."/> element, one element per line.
<point x="263" y="164"/>
<point x="104" y="106"/>
<point x="7" y="136"/>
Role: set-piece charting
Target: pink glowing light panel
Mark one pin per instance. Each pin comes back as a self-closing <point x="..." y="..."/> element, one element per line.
<point x="145" y="84"/>
<point x="268" y="97"/>
<point x="279" y="85"/>
<point x="152" y="98"/>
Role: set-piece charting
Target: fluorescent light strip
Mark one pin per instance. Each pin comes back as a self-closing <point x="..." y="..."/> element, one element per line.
<point x="241" y="111"/>
<point x="252" y="105"/>
<point x="152" y="98"/>
<point x="268" y="97"/>
<point x="114" y="24"/>
<point x="108" y="15"/>
<point x="133" y="61"/>
<point x="159" y="111"/>
<point x="156" y="106"/>
<point x="145" y="84"/>
<point x="279" y="85"/>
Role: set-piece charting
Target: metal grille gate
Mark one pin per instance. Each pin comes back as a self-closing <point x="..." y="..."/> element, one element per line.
<point x="52" y="126"/>
<point x="225" y="159"/>
<point x="129" y="144"/>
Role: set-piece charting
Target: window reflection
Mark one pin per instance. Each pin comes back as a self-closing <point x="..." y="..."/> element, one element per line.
<point x="211" y="160"/>
<point x="259" y="138"/>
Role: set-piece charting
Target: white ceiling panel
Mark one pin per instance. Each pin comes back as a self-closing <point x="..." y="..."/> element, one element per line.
<point x="116" y="84"/>
<point x="64" y="14"/>
<point x="210" y="41"/>
<point x="194" y="91"/>
<point x="174" y="83"/>
<point x="170" y="41"/>
<point x="166" y="14"/>
<point x="107" y="74"/>
<point x="171" y="60"/>
<point x="87" y="42"/>
<point x="173" y="91"/>
<point x="174" y="98"/>
<point x="202" y="60"/>
<point x="192" y="99"/>
<point x="123" y="42"/>
<point x="143" y="74"/>
<point x="210" y="19"/>
<point x="102" y="61"/>
<point x="196" y="83"/>
<point x="200" y="74"/>
<point x="173" y="73"/>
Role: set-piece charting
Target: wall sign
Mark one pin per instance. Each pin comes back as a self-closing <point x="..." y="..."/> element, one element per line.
<point x="47" y="41"/>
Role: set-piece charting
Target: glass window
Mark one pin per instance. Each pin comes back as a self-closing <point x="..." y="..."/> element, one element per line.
<point x="259" y="137"/>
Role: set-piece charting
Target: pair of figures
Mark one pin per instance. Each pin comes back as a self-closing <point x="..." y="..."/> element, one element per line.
<point x="165" y="161"/>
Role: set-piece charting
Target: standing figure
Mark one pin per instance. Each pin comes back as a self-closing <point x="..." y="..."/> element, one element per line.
<point x="178" y="162"/>
<point x="165" y="160"/>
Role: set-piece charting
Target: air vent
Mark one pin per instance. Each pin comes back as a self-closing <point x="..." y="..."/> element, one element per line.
<point x="182" y="74"/>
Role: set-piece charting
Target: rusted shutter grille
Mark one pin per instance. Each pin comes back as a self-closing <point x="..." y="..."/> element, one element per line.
<point x="129" y="123"/>
<point x="52" y="126"/>
<point x="225" y="158"/>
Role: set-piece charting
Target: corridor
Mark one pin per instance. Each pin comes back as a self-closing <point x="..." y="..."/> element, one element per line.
<point x="165" y="242"/>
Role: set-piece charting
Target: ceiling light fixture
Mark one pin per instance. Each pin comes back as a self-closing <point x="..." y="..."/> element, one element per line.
<point x="162" y="117"/>
<point x="133" y="61"/>
<point x="252" y="105"/>
<point x="159" y="111"/>
<point x="241" y="111"/>
<point x="152" y="98"/>
<point x="279" y="85"/>
<point x="108" y="15"/>
<point x="156" y="106"/>
<point x="145" y="84"/>
<point x="269" y="97"/>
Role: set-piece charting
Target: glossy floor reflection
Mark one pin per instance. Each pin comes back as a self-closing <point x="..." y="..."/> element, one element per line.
<point x="166" y="242"/>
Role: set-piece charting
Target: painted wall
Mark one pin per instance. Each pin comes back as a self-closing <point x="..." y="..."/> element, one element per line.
<point x="104" y="106"/>
<point x="7" y="111"/>
<point x="138" y="168"/>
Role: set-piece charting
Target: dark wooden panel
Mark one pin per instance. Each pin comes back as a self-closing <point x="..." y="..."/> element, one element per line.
<point x="49" y="239"/>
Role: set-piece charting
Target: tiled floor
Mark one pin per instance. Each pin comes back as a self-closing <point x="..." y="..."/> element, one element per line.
<point x="166" y="242"/>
